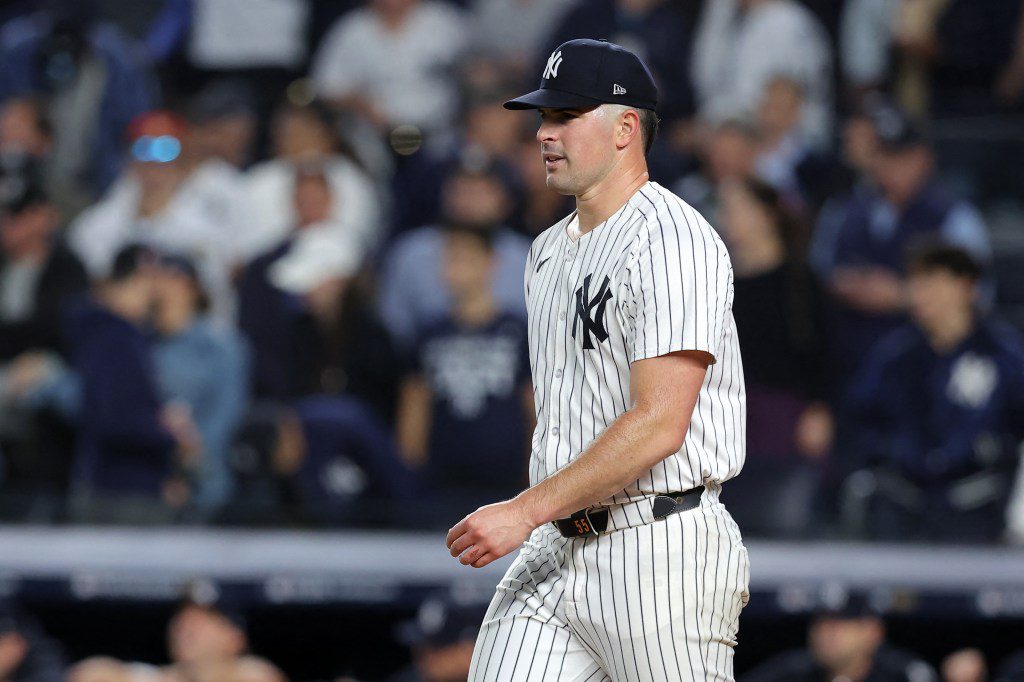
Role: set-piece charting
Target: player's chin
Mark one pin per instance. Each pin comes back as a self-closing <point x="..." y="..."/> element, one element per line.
<point x="558" y="182"/>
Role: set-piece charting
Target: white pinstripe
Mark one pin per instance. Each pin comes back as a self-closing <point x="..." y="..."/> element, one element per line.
<point x="652" y="600"/>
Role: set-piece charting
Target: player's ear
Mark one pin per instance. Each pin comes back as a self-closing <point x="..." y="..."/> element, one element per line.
<point x="628" y="128"/>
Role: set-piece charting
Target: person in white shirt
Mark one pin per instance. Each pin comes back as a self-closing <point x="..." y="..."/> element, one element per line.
<point x="171" y="199"/>
<point x="304" y="136"/>
<point x="742" y="45"/>
<point x="390" y="62"/>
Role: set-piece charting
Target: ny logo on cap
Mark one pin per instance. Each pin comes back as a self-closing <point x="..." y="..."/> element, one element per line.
<point x="554" y="61"/>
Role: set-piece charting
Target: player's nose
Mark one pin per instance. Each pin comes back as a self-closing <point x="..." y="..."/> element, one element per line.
<point x="546" y="132"/>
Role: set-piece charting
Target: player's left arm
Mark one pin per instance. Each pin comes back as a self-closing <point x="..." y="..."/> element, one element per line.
<point x="665" y="390"/>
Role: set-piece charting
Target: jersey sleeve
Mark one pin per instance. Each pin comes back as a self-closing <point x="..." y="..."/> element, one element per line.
<point x="680" y="286"/>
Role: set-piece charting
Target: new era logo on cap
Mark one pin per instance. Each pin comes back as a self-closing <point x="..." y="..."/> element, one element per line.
<point x="584" y="73"/>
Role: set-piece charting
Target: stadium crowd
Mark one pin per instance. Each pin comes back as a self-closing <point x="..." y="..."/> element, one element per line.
<point x="265" y="266"/>
<point x="261" y="264"/>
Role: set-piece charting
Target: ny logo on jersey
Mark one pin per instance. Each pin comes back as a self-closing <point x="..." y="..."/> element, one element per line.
<point x="590" y="312"/>
<point x="554" y="61"/>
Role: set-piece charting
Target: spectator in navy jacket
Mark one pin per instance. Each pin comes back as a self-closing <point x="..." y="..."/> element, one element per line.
<point x="130" y="443"/>
<point x="938" y="411"/>
<point x="862" y="242"/>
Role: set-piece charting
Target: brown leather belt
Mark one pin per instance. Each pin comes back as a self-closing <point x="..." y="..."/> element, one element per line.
<point x="594" y="521"/>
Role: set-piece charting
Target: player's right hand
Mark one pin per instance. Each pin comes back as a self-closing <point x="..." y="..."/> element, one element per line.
<point x="489" y="533"/>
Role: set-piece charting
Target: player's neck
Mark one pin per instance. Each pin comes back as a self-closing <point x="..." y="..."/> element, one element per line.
<point x="601" y="201"/>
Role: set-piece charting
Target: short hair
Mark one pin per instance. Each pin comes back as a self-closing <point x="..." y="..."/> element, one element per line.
<point x="956" y="261"/>
<point x="130" y="260"/>
<point x="649" y="123"/>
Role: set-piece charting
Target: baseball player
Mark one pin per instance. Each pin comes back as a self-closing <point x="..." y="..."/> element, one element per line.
<point x="630" y="567"/>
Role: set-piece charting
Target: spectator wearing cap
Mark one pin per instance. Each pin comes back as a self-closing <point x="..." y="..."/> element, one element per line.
<point x="325" y="460"/>
<point x="304" y="141"/>
<point x="861" y="242"/>
<point x="742" y="45"/>
<point x="204" y="367"/>
<point x="441" y="638"/>
<point x="130" y="443"/>
<point x="38" y="273"/>
<point x="95" y="79"/>
<point x="413" y="292"/>
<point x="391" y="63"/>
<point x="466" y="412"/>
<point x="26" y="652"/>
<point x="172" y="200"/>
<point x="223" y="122"/>
<point x="937" y="412"/>
<point x="845" y="641"/>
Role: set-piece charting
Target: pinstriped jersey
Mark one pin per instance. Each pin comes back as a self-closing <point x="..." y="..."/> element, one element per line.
<point x="652" y="279"/>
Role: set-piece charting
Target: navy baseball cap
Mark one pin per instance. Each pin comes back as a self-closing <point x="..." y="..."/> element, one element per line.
<point x="585" y="73"/>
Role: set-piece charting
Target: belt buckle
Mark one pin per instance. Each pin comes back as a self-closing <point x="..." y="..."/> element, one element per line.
<point x="584" y="526"/>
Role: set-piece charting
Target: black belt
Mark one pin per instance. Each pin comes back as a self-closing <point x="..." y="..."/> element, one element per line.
<point x="595" y="521"/>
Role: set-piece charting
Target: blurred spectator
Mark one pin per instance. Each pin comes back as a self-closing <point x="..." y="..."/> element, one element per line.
<point x="965" y="665"/>
<point x="786" y="159"/>
<point x="25" y="134"/>
<point x="391" y="63"/>
<point x="515" y="31"/>
<point x="333" y="461"/>
<point x="96" y="81"/>
<point x="173" y="200"/>
<point x="38" y="276"/>
<point x="311" y="329"/>
<point x="204" y="368"/>
<point x="466" y="413"/>
<point x="130" y="443"/>
<point x="656" y="30"/>
<point x="304" y="137"/>
<point x="489" y="134"/>
<point x="441" y="638"/>
<point x="845" y="643"/>
<point x="730" y="154"/>
<point x="206" y="640"/>
<point x="223" y="121"/>
<point x="742" y="45"/>
<point x="943" y="57"/>
<point x="26" y="652"/>
<point x="938" y="409"/>
<point x="413" y="292"/>
<point x="37" y="271"/>
<point x="861" y="242"/>
<point x="779" y="320"/>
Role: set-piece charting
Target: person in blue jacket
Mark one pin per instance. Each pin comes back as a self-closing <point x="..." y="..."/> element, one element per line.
<point x="938" y="409"/>
<point x="131" y="445"/>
